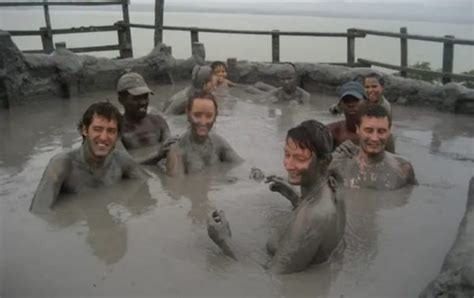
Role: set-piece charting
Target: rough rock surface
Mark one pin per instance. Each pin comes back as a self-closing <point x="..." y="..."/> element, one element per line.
<point x="457" y="273"/>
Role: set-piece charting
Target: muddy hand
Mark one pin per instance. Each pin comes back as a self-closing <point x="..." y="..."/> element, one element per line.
<point x="348" y="148"/>
<point x="218" y="227"/>
<point x="277" y="184"/>
<point x="256" y="174"/>
<point x="165" y="148"/>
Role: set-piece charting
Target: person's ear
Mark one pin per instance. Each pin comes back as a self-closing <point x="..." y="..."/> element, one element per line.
<point x="83" y="131"/>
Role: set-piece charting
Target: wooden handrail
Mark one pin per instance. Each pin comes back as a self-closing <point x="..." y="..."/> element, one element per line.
<point x="78" y="3"/>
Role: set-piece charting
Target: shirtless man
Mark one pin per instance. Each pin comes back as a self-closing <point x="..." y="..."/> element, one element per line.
<point x="373" y="167"/>
<point x="351" y="97"/>
<point x="288" y="90"/>
<point x="140" y="129"/>
<point x="95" y="163"/>
<point x="316" y="225"/>
<point x="198" y="148"/>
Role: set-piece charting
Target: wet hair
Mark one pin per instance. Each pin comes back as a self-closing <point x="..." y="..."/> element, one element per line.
<point x="376" y="76"/>
<point x="373" y="110"/>
<point x="201" y="75"/>
<point x="102" y="109"/>
<point x="312" y="135"/>
<point x="202" y="95"/>
<point x="216" y="64"/>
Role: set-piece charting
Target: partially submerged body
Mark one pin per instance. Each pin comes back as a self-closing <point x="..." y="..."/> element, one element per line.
<point x="188" y="156"/>
<point x="390" y="172"/>
<point x="315" y="227"/>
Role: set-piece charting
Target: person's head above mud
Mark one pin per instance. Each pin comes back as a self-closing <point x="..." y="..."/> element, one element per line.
<point x="307" y="152"/>
<point x="94" y="164"/>
<point x="287" y="77"/>
<point x="219" y="69"/>
<point x="100" y="128"/>
<point x="315" y="227"/>
<point x="203" y="79"/>
<point x="201" y="110"/>
<point x="374" y="85"/>
<point x="133" y="93"/>
<point x="374" y="129"/>
<point x="369" y="165"/>
<point x="351" y="95"/>
<point x="198" y="147"/>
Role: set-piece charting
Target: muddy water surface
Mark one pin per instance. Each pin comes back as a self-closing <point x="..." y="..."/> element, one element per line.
<point x="149" y="239"/>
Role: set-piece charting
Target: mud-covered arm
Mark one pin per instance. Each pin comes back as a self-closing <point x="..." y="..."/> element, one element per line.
<point x="298" y="246"/>
<point x="131" y="169"/>
<point x="305" y="96"/>
<point x="390" y="146"/>
<point x="50" y="184"/>
<point x="278" y="184"/>
<point x="175" y="162"/>
<point x="411" y="179"/>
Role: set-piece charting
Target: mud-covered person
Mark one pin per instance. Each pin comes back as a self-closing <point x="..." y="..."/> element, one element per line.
<point x="219" y="69"/>
<point x="96" y="163"/>
<point x="141" y="130"/>
<point x="372" y="166"/>
<point x="374" y="87"/>
<point x="288" y="90"/>
<point x="202" y="79"/>
<point x="315" y="227"/>
<point x="351" y="97"/>
<point x="198" y="147"/>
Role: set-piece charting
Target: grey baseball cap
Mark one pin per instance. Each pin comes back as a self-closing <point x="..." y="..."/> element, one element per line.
<point x="133" y="83"/>
<point x="352" y="88"/>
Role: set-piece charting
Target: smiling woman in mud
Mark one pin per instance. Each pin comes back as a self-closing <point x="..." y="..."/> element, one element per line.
<point x="199" y="147"/>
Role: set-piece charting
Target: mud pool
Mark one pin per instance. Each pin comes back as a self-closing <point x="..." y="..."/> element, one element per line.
<point x="150" y="239"/>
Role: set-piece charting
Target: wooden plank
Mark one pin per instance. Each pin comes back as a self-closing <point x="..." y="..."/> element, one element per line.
<point x="85" y="29"/>
<point x="78" y="3"/>
<point x="24" y="32"/>
<point x="275" y="46"/>
<point x="448" y="58"/>
<point x="416" y="37"/>
<point x="403" y="51"/>
<point x="416" y="70"/>
<point x="95" y="49"/>
<point x="250" y="32"/>
<point x="159" y="15"/>
<point x="350" y="46"/>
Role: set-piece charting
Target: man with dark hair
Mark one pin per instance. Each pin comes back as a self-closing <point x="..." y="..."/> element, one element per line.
<point x="372" y="166"/>
<point x="351" y="97"/>
<point x="198" y="147"/>
<point x="316" y="225"/>
<point x="144" y="135"/>
<point x="95" y="163"/>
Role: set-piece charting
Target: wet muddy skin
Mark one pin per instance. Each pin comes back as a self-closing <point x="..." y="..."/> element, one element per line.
<point x="150" y="239"/>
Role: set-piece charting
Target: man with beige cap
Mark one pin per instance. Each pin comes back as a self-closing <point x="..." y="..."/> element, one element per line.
<point x="144" y="134"/>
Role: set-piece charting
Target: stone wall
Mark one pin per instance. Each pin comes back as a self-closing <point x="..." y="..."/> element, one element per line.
<point x="26" y="77"/>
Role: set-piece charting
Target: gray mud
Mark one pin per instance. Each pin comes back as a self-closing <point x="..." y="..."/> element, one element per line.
<point x="151" y="240"/>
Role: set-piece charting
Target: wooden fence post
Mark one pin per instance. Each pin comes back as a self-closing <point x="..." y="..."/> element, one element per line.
<point x="275" y="46"/>
<point x="351" y="46"/>
<point x="448" y="58"/>
<point x="159" y="6"/>
<point x="126" y="19"/>
<point x="194" y="36"/>
<point x="124" y="43"/>
<point x="403" y="51"/>
<point x="47" y="40"/>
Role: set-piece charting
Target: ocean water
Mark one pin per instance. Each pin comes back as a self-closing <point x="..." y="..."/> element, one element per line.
<point x="251" y="47"/>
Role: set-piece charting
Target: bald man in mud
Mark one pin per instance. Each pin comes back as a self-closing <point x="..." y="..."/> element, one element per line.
<point x="315" y="227"/>
<point x="96" y="163"/>
<point x="145" y="136"/>
<point x="288" y="90"/>
<point x="372" y="166"/>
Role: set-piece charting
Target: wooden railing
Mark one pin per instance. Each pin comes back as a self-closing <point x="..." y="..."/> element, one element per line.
<point x="448" y="41"/>
<point x="46" y="33"/>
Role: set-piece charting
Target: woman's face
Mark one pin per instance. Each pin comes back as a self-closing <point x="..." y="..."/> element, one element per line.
<point x="373" y="89"/>
<point x="202" y="116"/>
<point x="221" y="73"/>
